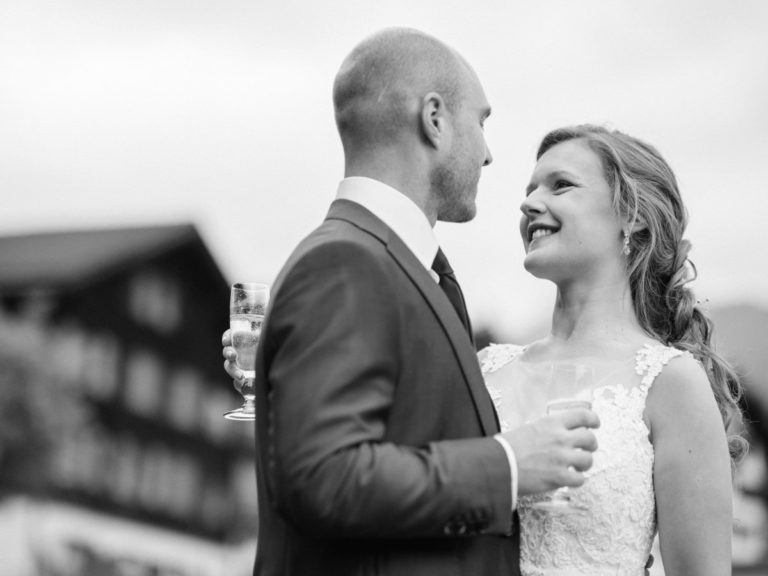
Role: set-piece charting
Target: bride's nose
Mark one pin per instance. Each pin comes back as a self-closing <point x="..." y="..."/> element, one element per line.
<point x="532" y="205"/>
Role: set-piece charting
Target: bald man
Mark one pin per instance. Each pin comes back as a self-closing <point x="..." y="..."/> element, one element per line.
<point x="378" y="448"/>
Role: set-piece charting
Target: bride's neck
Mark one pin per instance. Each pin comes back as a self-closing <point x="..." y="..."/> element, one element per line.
<point x="587" y="314"/>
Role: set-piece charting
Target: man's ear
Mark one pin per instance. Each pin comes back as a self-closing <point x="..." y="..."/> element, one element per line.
<point x="433" y="119"/>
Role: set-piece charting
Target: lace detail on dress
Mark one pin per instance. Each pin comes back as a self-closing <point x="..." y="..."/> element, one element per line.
<point x="650" y="361"/>
<point x="496" y="356"/>
<point x="615" y="536"/>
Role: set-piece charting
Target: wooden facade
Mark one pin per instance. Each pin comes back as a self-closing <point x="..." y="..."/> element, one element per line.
<point x="111" y="400"/>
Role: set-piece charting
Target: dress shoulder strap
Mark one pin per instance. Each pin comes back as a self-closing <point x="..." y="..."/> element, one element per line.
<point x="495" y="356"/>
<point x="650" y="361"/>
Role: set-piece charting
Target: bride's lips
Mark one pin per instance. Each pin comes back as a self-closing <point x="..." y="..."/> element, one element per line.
<point x="536" y="231"/>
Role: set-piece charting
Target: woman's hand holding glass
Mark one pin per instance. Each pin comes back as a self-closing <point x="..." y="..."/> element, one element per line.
<point x="570" y="387"/>
<point x="554" y="450"/>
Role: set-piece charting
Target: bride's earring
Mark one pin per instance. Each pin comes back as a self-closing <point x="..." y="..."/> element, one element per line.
<point x="626" y="248"/>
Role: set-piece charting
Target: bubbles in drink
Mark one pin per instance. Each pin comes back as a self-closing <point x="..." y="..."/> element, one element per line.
<point x="245" y="332"/>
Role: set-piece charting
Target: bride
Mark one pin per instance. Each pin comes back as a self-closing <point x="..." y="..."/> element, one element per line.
<point x="603" y="220"/>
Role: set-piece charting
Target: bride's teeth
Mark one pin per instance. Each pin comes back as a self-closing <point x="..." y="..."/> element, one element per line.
<point x="538" y="233"/>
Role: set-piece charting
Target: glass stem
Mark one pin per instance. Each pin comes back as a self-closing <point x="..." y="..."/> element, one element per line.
<point x="249" y="406"/>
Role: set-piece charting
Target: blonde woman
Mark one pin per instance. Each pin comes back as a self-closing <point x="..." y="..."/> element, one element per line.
<point x="603" y="219"/>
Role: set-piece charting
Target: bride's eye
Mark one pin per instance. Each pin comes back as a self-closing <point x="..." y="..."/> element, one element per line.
<point x="560" y="185"/>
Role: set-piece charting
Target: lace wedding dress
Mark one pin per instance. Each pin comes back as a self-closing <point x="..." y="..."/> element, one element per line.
<point x="615" y="536"/>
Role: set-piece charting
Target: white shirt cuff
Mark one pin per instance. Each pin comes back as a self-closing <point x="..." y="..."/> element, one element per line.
<point x="512" y="465"/>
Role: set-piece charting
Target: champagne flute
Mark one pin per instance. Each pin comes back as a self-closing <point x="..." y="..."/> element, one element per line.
<point x="570" y="387"/>
<point x="247" y="306"/>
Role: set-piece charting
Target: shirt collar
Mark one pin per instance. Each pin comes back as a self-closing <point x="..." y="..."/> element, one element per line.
<point x="397" y="211"/>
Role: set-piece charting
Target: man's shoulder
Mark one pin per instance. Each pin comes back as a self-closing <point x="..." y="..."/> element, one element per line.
<point x="339" y="235"/>
<point x="336" y="244"/>
<point x="337" y="260"/>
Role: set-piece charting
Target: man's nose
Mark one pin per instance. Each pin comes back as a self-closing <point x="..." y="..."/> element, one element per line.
<point x="488" y="156"/>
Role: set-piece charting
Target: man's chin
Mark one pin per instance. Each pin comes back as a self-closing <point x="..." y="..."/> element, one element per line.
<point x="459" y="214"/>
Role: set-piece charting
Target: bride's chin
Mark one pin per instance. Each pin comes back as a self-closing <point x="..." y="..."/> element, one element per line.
<point x="536" y="266"/>
<point x="531" y="261"/>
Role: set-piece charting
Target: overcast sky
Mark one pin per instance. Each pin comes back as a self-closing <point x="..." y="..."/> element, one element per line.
<point x="118" y="113"/>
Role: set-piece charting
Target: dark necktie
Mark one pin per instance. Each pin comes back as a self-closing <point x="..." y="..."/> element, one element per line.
<point x="452" y="290"/>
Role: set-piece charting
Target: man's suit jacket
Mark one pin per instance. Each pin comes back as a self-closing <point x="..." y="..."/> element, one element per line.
<point x="373" y="421"/>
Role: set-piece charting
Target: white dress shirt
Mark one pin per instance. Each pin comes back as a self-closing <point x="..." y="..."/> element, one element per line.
<point x="406" y="219"/>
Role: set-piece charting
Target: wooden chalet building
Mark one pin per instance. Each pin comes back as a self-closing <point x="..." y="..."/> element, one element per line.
<point x="114" y="455"/>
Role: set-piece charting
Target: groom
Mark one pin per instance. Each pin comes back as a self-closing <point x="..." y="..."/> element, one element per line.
<point x="378" y="448"/>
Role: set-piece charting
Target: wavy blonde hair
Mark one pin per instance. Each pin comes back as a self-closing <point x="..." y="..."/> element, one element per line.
<point x="647" y="199"/>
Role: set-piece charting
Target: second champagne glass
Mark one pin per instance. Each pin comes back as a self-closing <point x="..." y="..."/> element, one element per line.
<point x="570" y="386"/>
<point x="247" y="306"/>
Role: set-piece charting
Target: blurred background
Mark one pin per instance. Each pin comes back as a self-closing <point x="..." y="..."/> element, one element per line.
<point x="152" y="152"/>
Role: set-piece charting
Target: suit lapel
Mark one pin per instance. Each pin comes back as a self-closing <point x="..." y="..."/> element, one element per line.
<point x="442" y="308"/>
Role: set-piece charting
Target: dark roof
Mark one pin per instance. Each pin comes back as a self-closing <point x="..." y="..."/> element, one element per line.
<point x="58" y="259"/>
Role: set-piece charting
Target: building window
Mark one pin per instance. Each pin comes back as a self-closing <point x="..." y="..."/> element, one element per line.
<point x="185" y="387"/>
<point x="143" y="382"/>
<point x="154" y="300"/>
